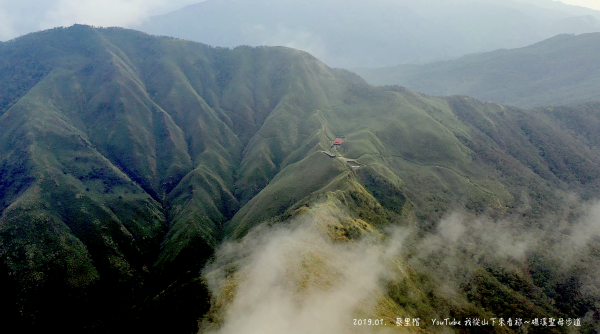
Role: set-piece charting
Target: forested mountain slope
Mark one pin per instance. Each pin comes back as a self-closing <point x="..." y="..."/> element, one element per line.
<point x="126" y="159"/>
<point x="558" y="71"/>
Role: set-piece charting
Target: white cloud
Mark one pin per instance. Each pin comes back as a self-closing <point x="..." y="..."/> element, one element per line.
<point x="297" y="281"/>
<point x="292" y="278"/>
<point x="6" y="26"/>
<point x="99" y="13"/>
<point x="25" y="16"/>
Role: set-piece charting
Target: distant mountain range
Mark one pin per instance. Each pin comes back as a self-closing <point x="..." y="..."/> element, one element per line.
<point x="376" y="33"/>
<point x="126" y="159"/>
<point x="561" y="70"/>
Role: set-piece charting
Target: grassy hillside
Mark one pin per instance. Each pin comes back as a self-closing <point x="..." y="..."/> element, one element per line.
<point x="129" y="158"/>
<point x="559" y="71"/>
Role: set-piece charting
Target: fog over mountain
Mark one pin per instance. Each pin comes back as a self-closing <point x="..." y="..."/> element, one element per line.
<point x="155" y="185"/>
<point x="188" y="184"/>
<point x="375" y="33"/>
<point x="292" y="279"/>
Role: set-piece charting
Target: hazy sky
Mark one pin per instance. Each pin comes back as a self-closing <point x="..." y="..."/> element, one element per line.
<point x="593" y="4"/>
<point x="18" y="17"/>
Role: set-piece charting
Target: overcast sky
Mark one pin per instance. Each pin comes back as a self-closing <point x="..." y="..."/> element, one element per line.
<point x="18" y="17"/>
<point x="593" y="4"/>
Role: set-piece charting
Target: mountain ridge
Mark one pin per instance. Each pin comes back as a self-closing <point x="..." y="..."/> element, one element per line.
<point x="557" y="71"/>
<point x="133" y="158"/>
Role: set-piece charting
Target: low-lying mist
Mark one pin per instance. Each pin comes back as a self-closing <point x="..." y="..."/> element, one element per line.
<point x="295" y="279"/>
<point x="299" y="277"/>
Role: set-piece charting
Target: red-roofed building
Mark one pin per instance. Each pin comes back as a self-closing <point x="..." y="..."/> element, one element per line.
<point x="338" y="142"/>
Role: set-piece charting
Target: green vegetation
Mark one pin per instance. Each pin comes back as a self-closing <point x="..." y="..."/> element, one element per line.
<point x="128" y="158"/>
<point x="558" y="71"/>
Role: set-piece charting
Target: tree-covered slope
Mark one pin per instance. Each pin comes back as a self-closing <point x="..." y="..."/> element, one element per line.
<point x="558" y="71"/>
<point x="127" y="159"/>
